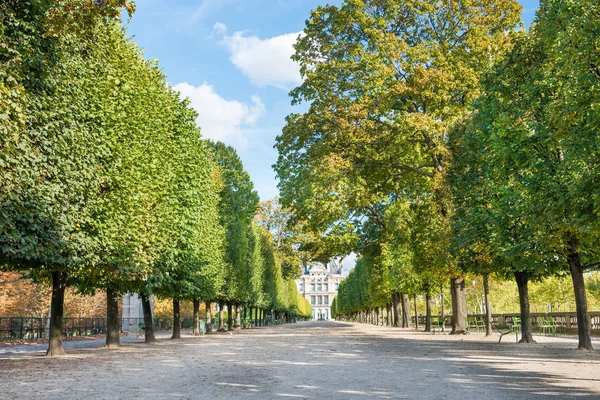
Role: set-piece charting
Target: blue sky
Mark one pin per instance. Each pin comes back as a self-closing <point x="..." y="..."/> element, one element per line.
<point x="231" y="58"/>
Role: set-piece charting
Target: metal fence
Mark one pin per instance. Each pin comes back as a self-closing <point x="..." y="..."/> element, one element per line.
<point x="28" y="328"/>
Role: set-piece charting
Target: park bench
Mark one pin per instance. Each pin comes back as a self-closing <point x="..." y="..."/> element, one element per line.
<point x="438" y="324"/>
<point x="513" y="327"/>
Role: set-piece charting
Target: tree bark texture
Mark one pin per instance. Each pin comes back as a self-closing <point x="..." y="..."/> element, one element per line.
<point x="396" y="308"/>
<point x="55" y="343"/>
<point x="221" y="317"/>
<point x="196" y="318"/>
<point x="488" y="305"/>
<point x="176" y="320"/>
<point x="405" y="310"/>
<point x="148" y="321"/>
<point x="238" y="318"/>
<point x="112" y="319"/>
<point x="208" y="305"/>
<point x="428" y="311"/>
<point x="583" y="319"/>
<point x="459" y="306"/>
<point x="229" y="316"/>
<point x="416" y="312"/>
<point x="522" y="279"/>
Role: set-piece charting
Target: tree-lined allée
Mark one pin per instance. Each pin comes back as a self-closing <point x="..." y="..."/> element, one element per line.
<point x="443" y="139"/>
<point x="107" y="183"/>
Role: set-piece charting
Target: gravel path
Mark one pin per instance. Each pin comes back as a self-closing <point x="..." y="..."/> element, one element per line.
<point x="310" y="360"/>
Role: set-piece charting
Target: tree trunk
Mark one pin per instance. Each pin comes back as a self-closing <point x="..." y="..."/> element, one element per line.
<point x="427" y="311"/>
<point x="396" y="308"/>
<point x="55" y="343"/>
<point x="148" y="321"/>
<point x="196" y="319"/>
<point x="488" y="305"/>
<point x="376" y="315"/>
<point x="583" y="320"/>
<point x="459" y="306"/>
<point x="176" y="320"/>
<point x="416" y="312"/>
<point x="442" y="297"/>
<point x="221" y="317"/>
<point x="208" y="317"/>
<point x="238" y="318"/>
<point x="229" y="316"/>
<point x="405" y="310"/>
<point x="112" y="319"/>
<point x="522" y="279"/>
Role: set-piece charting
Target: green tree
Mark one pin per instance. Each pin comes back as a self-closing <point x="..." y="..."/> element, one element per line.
<point x="383" y="97"/>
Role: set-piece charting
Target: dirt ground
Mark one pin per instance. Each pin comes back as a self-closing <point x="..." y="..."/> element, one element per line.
<point x="311" y="360"/>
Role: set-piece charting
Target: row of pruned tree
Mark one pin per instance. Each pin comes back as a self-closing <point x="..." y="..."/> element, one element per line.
<point x="444" y="139"/>
<point x="105" y="180"/>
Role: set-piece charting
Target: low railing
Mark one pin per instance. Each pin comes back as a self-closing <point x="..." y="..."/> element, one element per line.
<point x="30" y="328"/>
<point x="566" y="319"/>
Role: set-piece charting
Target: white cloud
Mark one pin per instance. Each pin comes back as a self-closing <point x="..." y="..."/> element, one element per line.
<point x="221" y="119"/>
<point x="219" y="28"/>
<point x="265" y="61"/>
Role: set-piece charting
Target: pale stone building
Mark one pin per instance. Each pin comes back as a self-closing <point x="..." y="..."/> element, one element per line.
<point x="319" y="285"/>
<point x="133" y="314"/>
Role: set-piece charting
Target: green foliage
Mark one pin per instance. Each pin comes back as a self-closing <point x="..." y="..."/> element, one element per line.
<point x="371" y="153"/>
<point x="237" y="206"/>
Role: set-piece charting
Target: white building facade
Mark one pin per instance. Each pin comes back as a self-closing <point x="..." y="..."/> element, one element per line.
<point x="319" y="285"/>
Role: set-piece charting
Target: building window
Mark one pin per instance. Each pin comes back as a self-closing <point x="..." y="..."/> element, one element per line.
<point x="337" y="286"/>
<point x="319" y="289"/>
<point x="312" y="300"/>
<point x="320" y="300"/>
<point x="326" y="299"/>
<point x="301" y="286"/>
<point x="312" y="287"/>
<point x="325" y="287"/>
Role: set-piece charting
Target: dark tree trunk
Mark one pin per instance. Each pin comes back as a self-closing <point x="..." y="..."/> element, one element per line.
<point x="405" y="310"/>
<point x="459" y="306"/>
<point x="238" y="318"/>
<point x="112" y="319"/>
<point x="488" y="305"/>
<point x="416" y="312"/>
<point x="522" y="279"/>
<point x="583" y="320"/>
<point x="376" y="315"/>
<point x="427" y="311"/>
<point x="55" y="343"/>
<point x="396" y="308"/>
<point x="208" y="317"/>
<point x="176" y="320"/>
<point x="221" y="317"/>
<point x="229" y="317"/>
<point x="442" y="297"/>
<point x="148" y="321"/>
<point x="390" y="319"/>
<point x="196" y="319"/>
